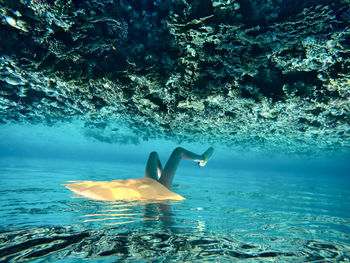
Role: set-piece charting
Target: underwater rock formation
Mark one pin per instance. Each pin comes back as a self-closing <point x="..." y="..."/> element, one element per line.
<point x="264" y="75"/>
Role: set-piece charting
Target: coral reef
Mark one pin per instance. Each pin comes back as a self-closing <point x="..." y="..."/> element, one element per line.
<point x="268" y="75"/>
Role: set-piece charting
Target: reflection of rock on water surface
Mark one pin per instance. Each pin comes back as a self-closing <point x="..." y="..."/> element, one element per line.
<point x="243" y="73"/>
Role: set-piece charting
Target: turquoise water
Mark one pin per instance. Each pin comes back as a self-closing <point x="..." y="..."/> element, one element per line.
<point x="230" y="214"/>
<point x="89" y="88"/>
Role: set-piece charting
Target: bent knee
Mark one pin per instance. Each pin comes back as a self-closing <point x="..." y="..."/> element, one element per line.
<point x="178" y="150"/>
<point x="153" y="155"/>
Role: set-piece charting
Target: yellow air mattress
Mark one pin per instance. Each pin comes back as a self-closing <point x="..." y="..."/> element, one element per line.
<point x="131" y="189"/>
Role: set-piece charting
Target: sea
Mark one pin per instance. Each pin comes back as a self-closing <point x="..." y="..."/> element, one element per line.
<point x="89" y="88"/>
<point x="249" y="208"/>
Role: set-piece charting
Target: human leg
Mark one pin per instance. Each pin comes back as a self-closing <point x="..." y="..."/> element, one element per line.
<point x="153" y="167"/>
<point x="169" y="170"/>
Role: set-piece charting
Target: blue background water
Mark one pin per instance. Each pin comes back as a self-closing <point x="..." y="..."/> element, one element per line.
<point x="239" y="206"/>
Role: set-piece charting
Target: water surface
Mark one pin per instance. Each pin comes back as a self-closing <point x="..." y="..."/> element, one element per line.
<point x="228" y="214"/>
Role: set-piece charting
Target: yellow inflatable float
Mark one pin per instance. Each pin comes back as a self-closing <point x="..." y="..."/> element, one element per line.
<point x="132" y="189"/>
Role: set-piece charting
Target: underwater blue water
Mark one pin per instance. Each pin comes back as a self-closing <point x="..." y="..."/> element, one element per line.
<point x="288" y="212"/>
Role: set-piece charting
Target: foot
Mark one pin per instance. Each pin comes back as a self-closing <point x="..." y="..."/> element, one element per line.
<point x="206" y="156"/>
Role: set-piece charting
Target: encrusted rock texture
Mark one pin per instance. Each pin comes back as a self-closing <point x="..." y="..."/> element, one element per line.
<point x="259" y="75"/>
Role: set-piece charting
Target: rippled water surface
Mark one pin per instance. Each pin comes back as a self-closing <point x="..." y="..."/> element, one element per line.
<point x="228" y="215"/>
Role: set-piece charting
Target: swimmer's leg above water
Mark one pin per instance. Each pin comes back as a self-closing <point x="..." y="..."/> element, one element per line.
<point x="165" y="176"/>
